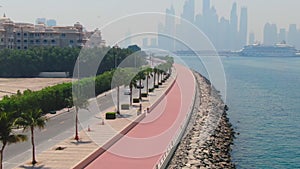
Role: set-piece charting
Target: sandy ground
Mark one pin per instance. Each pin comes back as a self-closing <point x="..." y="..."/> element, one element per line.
<point x="9" y="86"/>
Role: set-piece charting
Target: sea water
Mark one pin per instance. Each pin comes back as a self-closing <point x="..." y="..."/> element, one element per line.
<point x="263" y="95"/>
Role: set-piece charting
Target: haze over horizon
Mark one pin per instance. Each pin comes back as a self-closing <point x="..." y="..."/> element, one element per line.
<point x="94" y="14"/>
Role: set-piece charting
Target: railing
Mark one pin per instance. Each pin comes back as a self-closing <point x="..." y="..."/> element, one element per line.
<point x="165" y="158"/>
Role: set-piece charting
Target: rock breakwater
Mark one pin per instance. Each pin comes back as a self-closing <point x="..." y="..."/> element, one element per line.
<point x="208" y="139"/>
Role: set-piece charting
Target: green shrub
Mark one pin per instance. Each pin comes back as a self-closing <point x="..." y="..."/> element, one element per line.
<point x="156" y="86"/>
<point x="136" y="100"/>
<point x="144" y="94"/>
<point x="151" y="90"/>
<point x="110" y="115"/>
<point x="125" y="106"/>
<point x="160" y="83"/>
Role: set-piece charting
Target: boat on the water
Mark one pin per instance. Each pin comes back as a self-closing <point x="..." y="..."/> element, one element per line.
<point x="278" y="50"/>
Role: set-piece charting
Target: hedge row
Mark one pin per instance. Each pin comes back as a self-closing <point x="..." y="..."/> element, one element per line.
<point x="55" y="97"/>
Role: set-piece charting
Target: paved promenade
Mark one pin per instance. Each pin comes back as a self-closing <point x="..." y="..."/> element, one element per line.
<point x="146" y="143"/>
<point x="97" y="133"/>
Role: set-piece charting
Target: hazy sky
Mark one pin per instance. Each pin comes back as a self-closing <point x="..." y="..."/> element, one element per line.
<point x="95" y="13"/>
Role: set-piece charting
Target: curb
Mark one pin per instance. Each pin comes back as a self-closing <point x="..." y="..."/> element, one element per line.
<point x="84" y="163"/>
<point x="167" y="156"/>
<point x="109" y="143"/>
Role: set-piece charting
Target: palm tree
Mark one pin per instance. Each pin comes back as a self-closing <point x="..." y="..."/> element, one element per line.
<point x="130" y="81"/>
<point x="148" y="72"/>
<point x="139" y="77"/>
<point x="79" y="102"/>
<point x="119" y="79"/>
<point x="131" y="86"/>
<point x="155" y="71"/>
<point x="6" y="134"/>
<point x="29" y="120"/>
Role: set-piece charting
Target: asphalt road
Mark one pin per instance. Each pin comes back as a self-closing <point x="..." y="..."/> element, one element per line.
<point x="57" y="129"/>
<point x="61" y="127"/>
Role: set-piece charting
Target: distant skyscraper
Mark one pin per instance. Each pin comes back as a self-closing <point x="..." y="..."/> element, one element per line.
<point x="153" y="42"/>
<point x="170" y="28"/>
<point x="243" y="27"/>
<point x="40" y="21"/>
<point x="292" y="35"/>
<point x="160" y="37"/>
<point x="224" y="34"/>
<point x="233" y="27"/>
<point x="270" y="34"/>
<point x="251" y="38"/>
<point x="206" y="7"/>
<point x="189" y="11"/>
<point x="127" y="42"/>
<point x="282" y="35"/>
<point x="51" y="22"/>
<point x="145" y="43"/>
<point x="167" y="31"/>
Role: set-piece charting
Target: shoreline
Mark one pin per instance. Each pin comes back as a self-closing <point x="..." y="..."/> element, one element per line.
<point x="208" y="139"/>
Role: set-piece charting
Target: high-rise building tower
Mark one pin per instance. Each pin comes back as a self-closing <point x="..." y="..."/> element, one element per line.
<point x="243" y="32"/>
<point x="270" y="34"/>
<point x="51" y="22"/>
<point x="167" y="31"/>
<point x="206" y="7"/>
<point x="145" y="43"/>
<point x="251" y="38"/>
<point x="40" y="21"/>
<point x="292" y="35"/>
<point x="282" y="35"/>
<point x="189" y="11"/>
<point x="233" y="27"/>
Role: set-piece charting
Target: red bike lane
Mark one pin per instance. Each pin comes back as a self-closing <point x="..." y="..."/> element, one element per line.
<point x="143" y="146"/>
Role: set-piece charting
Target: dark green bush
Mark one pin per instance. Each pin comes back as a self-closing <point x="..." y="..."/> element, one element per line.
<point x="156" y="86"/>
<point x="110" y="115"/>
<point x="144" y="94"/>
<point x="135" y="100"/>
<point x="151" y="90"/>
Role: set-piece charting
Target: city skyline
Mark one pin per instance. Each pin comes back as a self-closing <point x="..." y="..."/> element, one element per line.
<point x="225" y="34"/>
<point x="93" y="15"/>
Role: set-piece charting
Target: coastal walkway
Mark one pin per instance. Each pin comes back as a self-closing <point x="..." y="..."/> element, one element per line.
<point x="146" y="144"/>
<point x="99" y="134"/>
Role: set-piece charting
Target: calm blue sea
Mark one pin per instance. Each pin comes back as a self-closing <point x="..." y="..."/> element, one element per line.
<point x="263" y="95"/>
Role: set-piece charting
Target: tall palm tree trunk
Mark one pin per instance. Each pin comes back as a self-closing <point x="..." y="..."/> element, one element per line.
<point x="140" y="92"/>
<point x="154" y="78"/>
<point x="118" y="100"/>
<point x="130" y="94"/>
<point x="1" y="154"/>
<point x="33" y="146"/>
<point x="76" y="124"/>
<point x="147" y="88"/>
